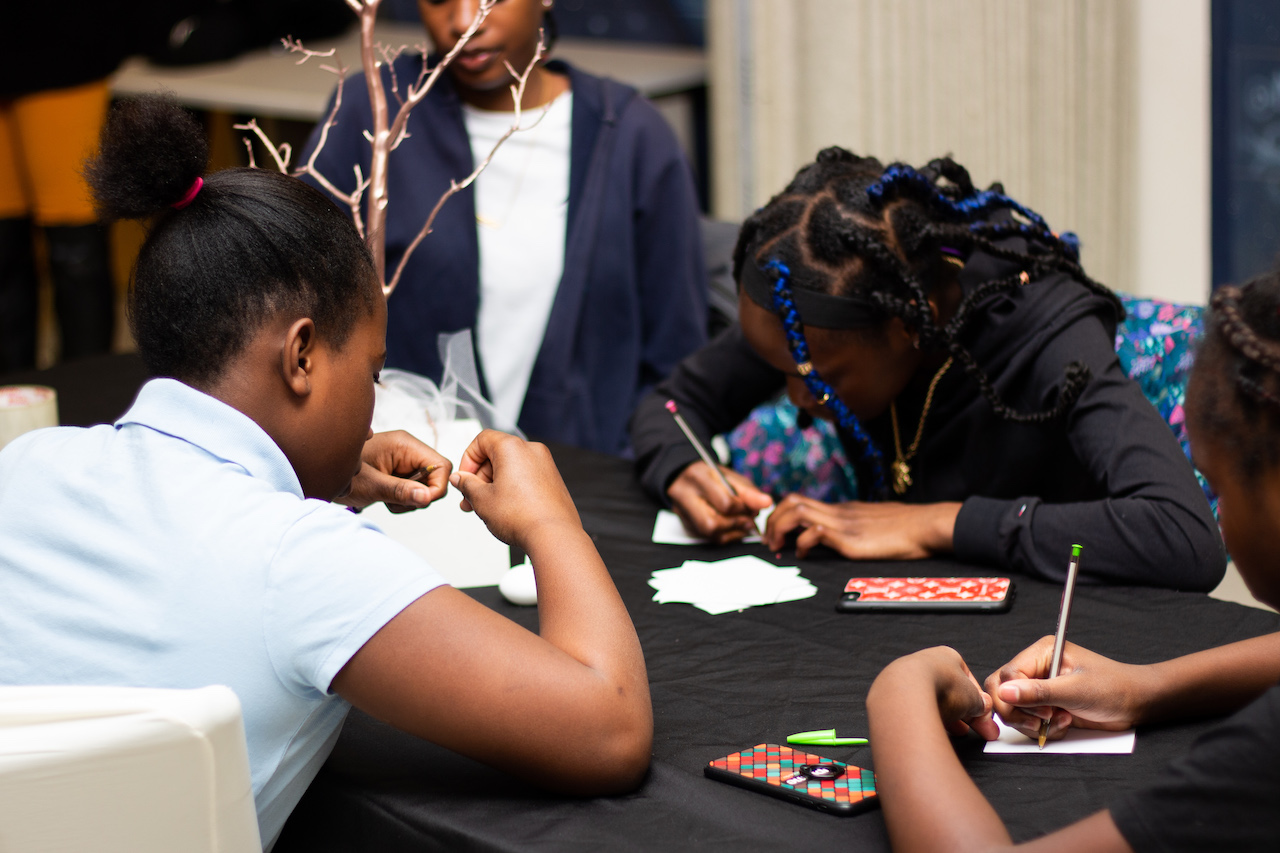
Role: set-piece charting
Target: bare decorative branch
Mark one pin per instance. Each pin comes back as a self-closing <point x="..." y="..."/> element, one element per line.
<point x="280" y="154"/>
<point x="517" y="94"/>
<point x="387" y="133"/>
<point x="294" y="46"/>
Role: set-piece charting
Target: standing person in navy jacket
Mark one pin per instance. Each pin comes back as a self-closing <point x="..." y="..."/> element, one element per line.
<point x="575" y="257"/>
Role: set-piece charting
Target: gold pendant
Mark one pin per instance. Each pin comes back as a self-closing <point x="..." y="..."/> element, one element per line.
<point x="901" y="476"/>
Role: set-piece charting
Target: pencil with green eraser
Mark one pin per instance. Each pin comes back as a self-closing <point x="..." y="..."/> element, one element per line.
<point x="1060" y="638"/>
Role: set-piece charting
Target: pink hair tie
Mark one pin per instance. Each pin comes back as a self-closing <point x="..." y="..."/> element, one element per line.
<point x="190" y="196"/>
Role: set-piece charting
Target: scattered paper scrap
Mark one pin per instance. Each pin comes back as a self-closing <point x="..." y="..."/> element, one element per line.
<point x="1074" y="742"/>
<point x="722" y="586"/>
<point x="668" y="529"/>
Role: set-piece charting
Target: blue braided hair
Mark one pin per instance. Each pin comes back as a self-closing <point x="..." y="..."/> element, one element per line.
<point x="847" y="225"/>
<point x="902" y="181"/>
<point x="785" y="307"/>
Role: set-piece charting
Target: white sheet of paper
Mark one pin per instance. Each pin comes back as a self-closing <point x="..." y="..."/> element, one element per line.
<point x="1075" y="742"/>
<point x="736" y="583"/>
<point x="668" y="529"/>
<point x="455" y="543"/>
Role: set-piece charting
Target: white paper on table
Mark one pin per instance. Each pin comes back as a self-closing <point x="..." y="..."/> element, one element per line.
<point x="732" y="584"/>
<point x="668" y="529"/>
<point x="456" y="544"/>
<point x="1074" y="742"/>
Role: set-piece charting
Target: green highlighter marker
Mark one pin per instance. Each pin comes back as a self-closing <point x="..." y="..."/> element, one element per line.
<point x="824" y="737"/>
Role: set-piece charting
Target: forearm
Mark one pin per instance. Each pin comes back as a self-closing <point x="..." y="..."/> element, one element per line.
<point x="1127" y="540"/>
<point x="1215" y="681"/>
<point x="579" y="609"/>
<point x="1135" y="504"/>
<point x="581" y="614"/>
<point x="929" y="801"/>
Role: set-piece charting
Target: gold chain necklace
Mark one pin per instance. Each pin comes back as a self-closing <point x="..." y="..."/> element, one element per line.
<point x="901" y="470"/>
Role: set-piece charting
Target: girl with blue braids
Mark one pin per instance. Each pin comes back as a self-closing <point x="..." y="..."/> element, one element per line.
<point x="968" y="363"/>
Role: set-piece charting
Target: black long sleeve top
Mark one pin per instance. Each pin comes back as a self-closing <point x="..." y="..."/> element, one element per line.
<point x="1109" y="475"/>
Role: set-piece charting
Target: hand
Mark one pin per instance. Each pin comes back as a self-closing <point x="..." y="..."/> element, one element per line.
<point x="864" y="531"/>
<point x="962" y="704"/>
<point x="514" y="486"/>
<point x="1090" y="692"/>
<point x="386" y="460"/>
<point x="708" y="509"/>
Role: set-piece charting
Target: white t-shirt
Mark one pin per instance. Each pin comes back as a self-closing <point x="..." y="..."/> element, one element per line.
<point x="522" y="207"/>
<point x="175" y="549"/>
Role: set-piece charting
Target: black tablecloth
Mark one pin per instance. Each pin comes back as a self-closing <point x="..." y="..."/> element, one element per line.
<point x="719" y="684"/>
<point x="722" y="683"/>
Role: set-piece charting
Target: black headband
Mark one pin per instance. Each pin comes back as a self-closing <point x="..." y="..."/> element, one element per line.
<point x="815" y="309"/>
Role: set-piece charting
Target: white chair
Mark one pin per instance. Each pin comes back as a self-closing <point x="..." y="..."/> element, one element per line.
<point x="132" y="770"/>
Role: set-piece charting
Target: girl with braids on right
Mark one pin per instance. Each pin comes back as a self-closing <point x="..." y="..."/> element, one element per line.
<point x="1224" y="794"/>
<point x="968" y="363"/>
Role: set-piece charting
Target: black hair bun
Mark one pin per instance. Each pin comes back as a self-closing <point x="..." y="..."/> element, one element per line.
<point x="151" y="152"/>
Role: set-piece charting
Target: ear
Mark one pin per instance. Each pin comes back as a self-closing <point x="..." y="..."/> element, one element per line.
<point x="298" y="356"/>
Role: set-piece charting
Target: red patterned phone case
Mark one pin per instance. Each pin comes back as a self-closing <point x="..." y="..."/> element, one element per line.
<point x="940" y="595"/>
<point x="801" y="777"/>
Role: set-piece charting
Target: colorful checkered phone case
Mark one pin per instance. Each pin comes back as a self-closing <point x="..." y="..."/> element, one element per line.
<point x="801" y="777"/>
<point x="939" y="595"/>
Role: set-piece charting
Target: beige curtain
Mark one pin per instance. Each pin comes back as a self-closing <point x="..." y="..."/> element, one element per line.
<point x="1038" y="94"/>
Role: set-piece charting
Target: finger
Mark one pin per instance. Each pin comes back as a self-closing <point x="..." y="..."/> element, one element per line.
<point x="748" y="492"/>
<point x="403" y="495"/>
<point x="1059" y="724"/>
<point x="1029" y="693"/>
<point x="438" y="480"/>
<point x="821" y="526"/>
<point x="981" y="720"/>
<point x="713" y="491"/>
<point x="701" y="519"/>
<point x="393" y="490"/>
<point x="799" y="511"/>
<point x="481" y="450"/>
<point x="399" y="452"/>
<point x="1027" y="724"/>
<point x="1032" y="662"/>
<point x="468" y="484"/>
<point x="811" y="538"/>
<point x="782" y="521"/>
<point x="985" y="726"/>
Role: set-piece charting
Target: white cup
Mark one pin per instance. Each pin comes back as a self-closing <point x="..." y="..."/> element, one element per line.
<point x="24" y="408"/>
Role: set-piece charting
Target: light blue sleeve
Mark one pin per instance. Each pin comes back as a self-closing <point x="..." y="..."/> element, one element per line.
<point x="333" y="583"/>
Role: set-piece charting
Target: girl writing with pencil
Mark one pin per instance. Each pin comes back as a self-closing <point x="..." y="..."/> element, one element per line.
<point x="1224" y="794"/>
<point x="968" y="363"/>
<point x="193" y="542"/>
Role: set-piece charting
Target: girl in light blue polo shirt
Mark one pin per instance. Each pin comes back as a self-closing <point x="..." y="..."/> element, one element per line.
<point x="194" y="541"/>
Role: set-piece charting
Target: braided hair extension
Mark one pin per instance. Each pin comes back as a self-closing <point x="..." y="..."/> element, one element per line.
<point x="1242" y="345"/>
<point x="821" y="391"/>
<point x="847" y="224"/>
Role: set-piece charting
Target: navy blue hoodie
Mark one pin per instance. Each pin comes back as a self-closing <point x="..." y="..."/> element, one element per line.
<point x="632" y="300"/>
